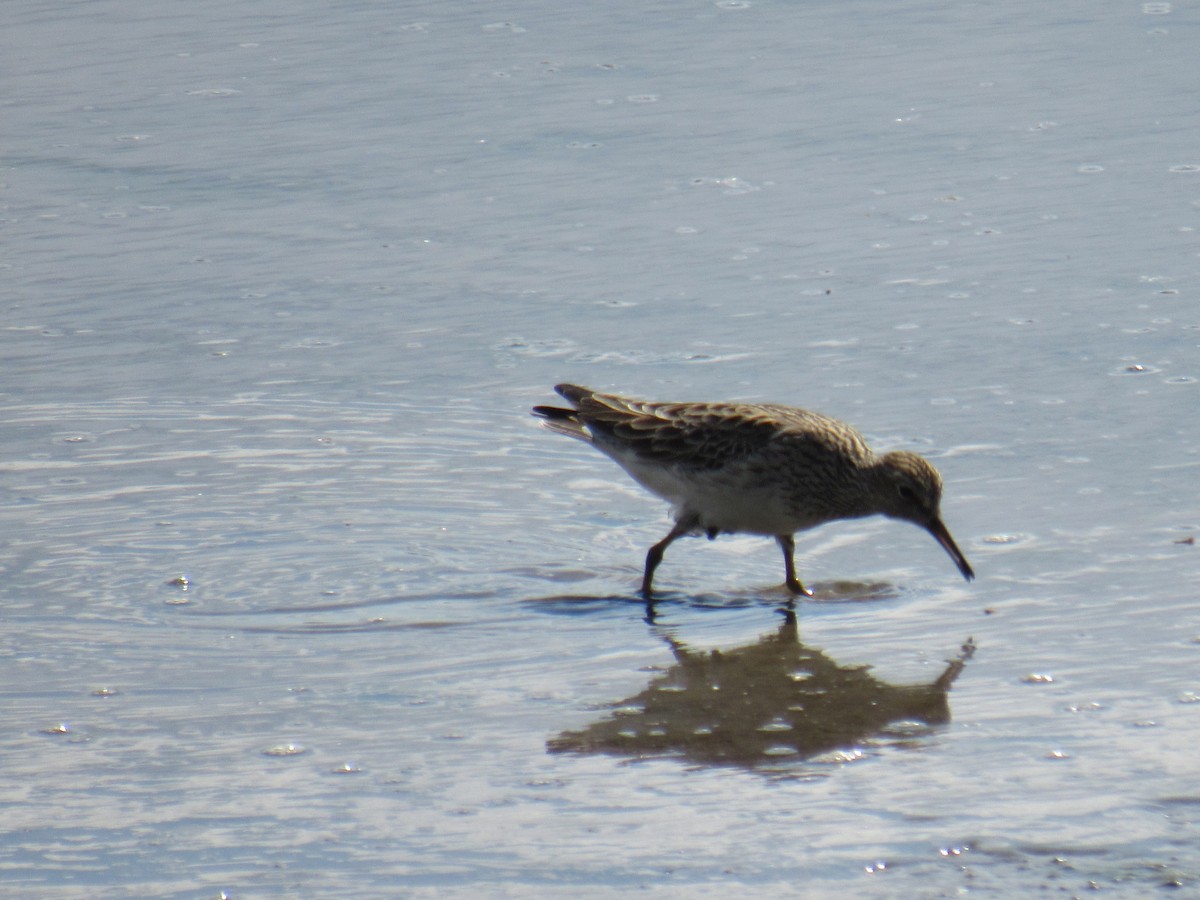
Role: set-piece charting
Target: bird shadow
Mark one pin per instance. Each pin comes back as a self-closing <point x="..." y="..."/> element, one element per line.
<point x="765" y="706"/>
<point x="824" y="593"/>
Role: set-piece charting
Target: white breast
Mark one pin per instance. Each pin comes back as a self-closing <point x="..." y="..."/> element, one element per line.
<point x="723" y="501"/>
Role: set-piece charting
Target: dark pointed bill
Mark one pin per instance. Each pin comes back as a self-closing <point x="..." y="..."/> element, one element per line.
<point x="942" y="536"/>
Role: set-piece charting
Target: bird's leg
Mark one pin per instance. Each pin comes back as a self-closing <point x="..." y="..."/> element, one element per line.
<point x="787" y="544"/>
<point x="682" y="526"/>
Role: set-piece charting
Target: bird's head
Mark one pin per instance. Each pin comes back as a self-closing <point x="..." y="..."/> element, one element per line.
<point x="910" y="488"/>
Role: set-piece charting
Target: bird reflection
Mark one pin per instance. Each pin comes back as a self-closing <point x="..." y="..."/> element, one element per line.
<point x="763" y="704"/>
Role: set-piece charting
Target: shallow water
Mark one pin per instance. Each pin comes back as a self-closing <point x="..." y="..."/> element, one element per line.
<point x="298" y="598"/>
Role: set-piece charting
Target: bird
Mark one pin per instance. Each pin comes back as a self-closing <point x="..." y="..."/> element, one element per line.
<point x="757" y="468"/>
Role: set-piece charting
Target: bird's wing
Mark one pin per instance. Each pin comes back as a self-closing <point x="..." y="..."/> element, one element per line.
<point x="695" y="435"/>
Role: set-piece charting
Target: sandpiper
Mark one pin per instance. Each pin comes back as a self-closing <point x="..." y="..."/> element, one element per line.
<point x="760" y="468"/>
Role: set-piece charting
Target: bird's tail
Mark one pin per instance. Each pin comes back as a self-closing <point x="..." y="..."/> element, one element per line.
<point x="564" y="421"/>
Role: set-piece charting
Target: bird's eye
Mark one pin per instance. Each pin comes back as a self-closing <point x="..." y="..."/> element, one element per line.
<point x="907" y="493"/>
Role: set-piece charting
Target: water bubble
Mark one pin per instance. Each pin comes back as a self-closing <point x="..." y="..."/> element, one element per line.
<point x="1136" y="369"/>
<point x="1005" y="538"/>
<point x="285" y="750"/>
<point x="1038" y="678"/>
<point x="780" y="750"/>
<point x="775" y="725"/>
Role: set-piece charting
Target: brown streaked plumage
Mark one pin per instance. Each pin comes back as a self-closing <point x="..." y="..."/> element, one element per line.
<point x="760" y="468"/>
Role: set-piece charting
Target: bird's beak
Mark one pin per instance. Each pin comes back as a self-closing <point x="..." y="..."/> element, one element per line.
<point x="942" y="536"/>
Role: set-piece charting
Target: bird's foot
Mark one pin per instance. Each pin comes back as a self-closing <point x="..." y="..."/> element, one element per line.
<point x="648" y="596"/>
<point x="794" y="585"/>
